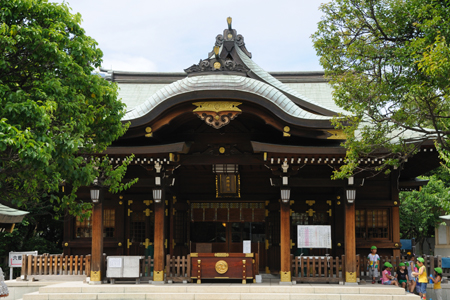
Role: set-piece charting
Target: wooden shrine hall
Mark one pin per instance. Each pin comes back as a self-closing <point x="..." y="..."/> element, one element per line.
<point x="226" y="152"/>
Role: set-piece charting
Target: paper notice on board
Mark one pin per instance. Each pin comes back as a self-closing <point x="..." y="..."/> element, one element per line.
<point x="247" y="246"/>
<point x="114" y="262"/>
<point x="318" y="236"/>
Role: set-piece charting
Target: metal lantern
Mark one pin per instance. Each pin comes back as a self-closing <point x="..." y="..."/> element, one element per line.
<point x="285" y="194"/>
<point x="157" y="195"/>
<point x="351" y="195"/>
<point x="95" y="194"/>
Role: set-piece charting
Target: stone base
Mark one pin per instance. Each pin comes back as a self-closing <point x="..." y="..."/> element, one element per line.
<point x="95" y="282"/>
<point x="350" y="283"/>
<point x="158" y="282"/>
<point x="285" y="282"/>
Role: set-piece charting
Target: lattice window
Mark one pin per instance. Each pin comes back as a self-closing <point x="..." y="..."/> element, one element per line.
<point x="109" y="222"/>
<point x="180" y="232"/>
<point x="299" y="219"/>
<point x="138" y="227"/>
<point x="83" y="228"/>
<point x="372" y="223"/>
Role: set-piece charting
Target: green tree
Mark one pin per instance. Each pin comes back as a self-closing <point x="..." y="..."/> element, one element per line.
<point x="389" y="64"/>
<point x="420" y="210"/>
<point x="55" y="113"/>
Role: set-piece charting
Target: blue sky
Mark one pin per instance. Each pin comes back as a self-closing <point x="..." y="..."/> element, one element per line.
<point x="171" y="35"/>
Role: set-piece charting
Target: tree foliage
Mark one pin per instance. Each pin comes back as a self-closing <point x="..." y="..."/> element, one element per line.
<point x="389" y="64"/>
<point x="420" y="210"/>
<point x="55" y="113"/>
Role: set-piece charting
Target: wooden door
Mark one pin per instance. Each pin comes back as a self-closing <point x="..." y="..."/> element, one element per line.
<point x="273" y="232"/>
<point x="139" y="227"/>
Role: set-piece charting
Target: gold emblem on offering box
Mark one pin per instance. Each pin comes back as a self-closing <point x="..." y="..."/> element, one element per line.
<point x="221" y="267"/>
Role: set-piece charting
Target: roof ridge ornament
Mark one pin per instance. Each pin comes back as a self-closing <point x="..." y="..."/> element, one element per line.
<point x="224" y="56"/>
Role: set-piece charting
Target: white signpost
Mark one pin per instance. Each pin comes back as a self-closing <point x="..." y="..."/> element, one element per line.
<point x="15" y="260"/>
<point x="317" y="236"/>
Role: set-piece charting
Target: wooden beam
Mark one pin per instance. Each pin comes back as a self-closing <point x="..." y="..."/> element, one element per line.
<point x="285" y="240"/>
<point x="288" y="149"/>
<point x="181" y="147"/>
<point x="240" y="159"/>
<point x="350" y="244"/>
<point x="97" y="243"/>
<point x="158" y="273"/>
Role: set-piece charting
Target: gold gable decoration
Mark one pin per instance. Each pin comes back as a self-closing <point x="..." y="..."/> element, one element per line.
<point x="217" y="113"/>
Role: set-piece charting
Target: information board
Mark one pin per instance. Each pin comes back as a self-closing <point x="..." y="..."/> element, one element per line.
<point x="15" y="258"/>
<point x="314" y="236"/>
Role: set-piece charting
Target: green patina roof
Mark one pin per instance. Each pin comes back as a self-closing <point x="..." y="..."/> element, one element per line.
<point x="11" y="215"/>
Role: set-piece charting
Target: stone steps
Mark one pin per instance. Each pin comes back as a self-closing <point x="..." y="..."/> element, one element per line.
<point x="78" y="290"/>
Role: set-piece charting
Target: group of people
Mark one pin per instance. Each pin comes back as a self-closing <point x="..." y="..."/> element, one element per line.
<point x="410" y="275"/>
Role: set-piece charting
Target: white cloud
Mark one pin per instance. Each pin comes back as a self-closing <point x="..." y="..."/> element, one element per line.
<point x="129" y="63"/>
<point x="174" y="34"/>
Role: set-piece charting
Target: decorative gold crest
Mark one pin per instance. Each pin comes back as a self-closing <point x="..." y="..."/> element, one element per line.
<point x="217" y="106"/>
<point x="217" y="113"/>
<point x="221" y="267"/>
<point x="336" y="134"/>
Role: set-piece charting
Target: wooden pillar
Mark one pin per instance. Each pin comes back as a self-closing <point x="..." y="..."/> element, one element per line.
<point x="171" y="226"/>
<point x="158" y="267"/>
<point x="350" y="244"/>
<point x="395" y="214"/>
<point x="97" y="244"/>
<point x="396" y="230"/>
<point x="285" y="240"/>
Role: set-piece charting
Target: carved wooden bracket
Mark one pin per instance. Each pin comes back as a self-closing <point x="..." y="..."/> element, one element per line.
<point x="217" y="113"/>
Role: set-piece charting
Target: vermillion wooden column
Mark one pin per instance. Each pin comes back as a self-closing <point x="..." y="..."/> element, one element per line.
<point x="285" y="239"/>
<point x="350" y="244"/>
<point x="97" y="244"/>
<point x="158" y="267"/>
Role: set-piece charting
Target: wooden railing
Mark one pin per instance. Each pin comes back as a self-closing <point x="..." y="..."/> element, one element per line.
<point x="56" y="265"/>
<point x="317" y="268"/>
<point x="178" y="268"/>
<point x="146" y="265"/>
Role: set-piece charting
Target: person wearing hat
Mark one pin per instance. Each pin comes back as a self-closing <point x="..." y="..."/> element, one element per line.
<point x="422" y="274"/>
<point x="437" y="282"/>
<point x="402" y="275"/>
<point x="410" y="267"/>
<point x="374" y="263"/>
<point x="386" y="277"/>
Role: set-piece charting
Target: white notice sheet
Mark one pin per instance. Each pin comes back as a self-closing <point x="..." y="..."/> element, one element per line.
<point x="317" y="236"/>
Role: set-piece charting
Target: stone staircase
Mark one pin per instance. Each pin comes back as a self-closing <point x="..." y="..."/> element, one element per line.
<point x="219" y="291"/>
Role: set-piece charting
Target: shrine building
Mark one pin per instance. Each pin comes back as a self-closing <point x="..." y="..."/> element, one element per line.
<point x="226" y="152"/>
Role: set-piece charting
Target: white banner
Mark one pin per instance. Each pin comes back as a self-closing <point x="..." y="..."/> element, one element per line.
<point x="317" y="236"/>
